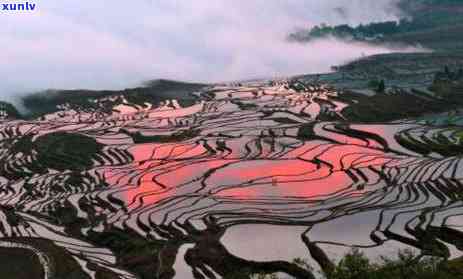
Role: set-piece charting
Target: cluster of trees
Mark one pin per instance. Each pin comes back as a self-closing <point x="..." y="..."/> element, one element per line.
<point x="361" y="32"/>
<point x="8" y="110"/>
<point x="378" y="86"/>
<point x="372" y="30"/>
<point x="422" y="15"/>
<point x="407" y="265"/>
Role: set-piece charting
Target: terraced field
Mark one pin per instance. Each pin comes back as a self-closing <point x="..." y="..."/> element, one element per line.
<point x="240" y="183"/>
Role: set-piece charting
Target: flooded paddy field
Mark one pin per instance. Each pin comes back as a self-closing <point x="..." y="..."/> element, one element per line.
<point x="242" y="182"/>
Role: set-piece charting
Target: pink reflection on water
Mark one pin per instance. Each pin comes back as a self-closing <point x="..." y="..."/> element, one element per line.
<point x="245" y="178"/>
<point x="315" y="169"/>
<point x="293" y="178"/>
<point x="181" y="174"/>
<point x="160" y="171"/>
<point x="299" y="177"/>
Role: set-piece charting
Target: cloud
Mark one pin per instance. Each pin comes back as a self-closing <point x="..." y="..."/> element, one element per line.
<point x="117" y="44"/>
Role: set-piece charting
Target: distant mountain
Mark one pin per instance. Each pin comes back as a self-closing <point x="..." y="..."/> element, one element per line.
<point x="152" y="92"/>
<point x="435" y="24"/>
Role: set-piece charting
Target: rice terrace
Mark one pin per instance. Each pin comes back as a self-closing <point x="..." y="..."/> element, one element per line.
<point x="352" y="173"/>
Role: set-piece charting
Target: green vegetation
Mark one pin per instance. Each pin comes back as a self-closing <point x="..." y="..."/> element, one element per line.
<point x="385" y="88"/>
<point x="433" y="24"/>
<point x="138" y="255"/>
<point x="406" y="71"/>
<point x="355" y="265"/>
<point x="19" y="264"/>
<point x="66" y="151"/>
<point x="154" y="92"/>
<point x="448" y="84"/>
<point x="383" y="107"/>
<point x="407" y="265"/>
<point x="9" y="109"/>
<point x="59" y="150"/>
<point x="378" y="86"/>
<point x="437" y="143"/>
<point x="361" y="32"/>
<point x="63" y="151"/>
<point x="23" y="264"/>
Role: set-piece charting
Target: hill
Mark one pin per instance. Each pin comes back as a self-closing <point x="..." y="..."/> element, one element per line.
<point x="152" y="92"/>
<point x="433" y="24"/>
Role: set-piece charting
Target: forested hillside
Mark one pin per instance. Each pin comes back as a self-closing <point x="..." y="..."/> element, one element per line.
<point x="431" y="23"/>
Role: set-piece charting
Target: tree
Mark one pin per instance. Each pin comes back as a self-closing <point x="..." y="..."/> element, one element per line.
<point x="447" y="71"/>
<point x="381" y="87"/>
<point x="460" y="73"/>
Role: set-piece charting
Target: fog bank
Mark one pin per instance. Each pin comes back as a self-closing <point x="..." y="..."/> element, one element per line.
<point x="113" y="45"/>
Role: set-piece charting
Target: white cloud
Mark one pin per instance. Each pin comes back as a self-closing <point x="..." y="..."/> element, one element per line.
<point x="114" y="44"/>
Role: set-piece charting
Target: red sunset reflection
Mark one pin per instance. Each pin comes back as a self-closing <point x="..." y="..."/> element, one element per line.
<point x="316" y="169"/>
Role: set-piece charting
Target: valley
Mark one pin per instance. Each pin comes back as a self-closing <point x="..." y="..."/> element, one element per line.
<point x="122" y="190"/>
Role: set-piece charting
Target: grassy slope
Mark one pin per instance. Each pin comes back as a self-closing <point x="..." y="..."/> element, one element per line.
<point x="404" y="70"/>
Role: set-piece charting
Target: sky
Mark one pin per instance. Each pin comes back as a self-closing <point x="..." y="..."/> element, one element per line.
<point x="114" y="44"/>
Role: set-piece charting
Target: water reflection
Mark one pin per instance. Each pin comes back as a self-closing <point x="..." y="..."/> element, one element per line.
<point x="247" y="177"/>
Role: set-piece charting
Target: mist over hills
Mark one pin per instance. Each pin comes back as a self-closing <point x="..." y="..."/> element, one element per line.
<point x="249" y="51"/>
<point x="72" y="46"/>
<point x="249" y="166"/>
